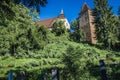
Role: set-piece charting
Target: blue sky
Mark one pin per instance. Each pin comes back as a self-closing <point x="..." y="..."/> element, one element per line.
<point x="71" y="8"/>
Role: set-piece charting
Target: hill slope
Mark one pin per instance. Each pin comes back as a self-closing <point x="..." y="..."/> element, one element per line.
<point x="51" y="56"/>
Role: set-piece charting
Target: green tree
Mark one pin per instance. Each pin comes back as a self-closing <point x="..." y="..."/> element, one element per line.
<point x="29" y="3"/>
<point x="78" y="34"/>
<point x="105" y="23"/>
<point x="79" y="64"/>
<point x="20" y="34"/>
<point x="71" y="61"/>
<point x="119" y="23"/>
<point x="58" y="28"/>
<point x="8" y="13"/>
<point x="75" y="25"/>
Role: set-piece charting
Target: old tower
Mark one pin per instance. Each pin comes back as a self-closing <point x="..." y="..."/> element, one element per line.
<point x="86" y="23"/>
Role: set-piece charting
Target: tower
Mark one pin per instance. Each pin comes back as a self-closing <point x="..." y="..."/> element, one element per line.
<point x="86" y="23"/>
<point x="61" y="15"/>
<point x="62" y="18"/>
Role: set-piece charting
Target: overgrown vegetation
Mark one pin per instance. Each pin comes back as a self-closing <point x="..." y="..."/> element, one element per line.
<point x="34" y="50"/>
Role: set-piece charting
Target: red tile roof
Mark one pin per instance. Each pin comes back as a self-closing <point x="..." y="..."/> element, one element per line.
<point x="47" y="23"/>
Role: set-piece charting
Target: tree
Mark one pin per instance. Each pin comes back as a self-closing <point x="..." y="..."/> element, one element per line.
<point x="78" y="34"/>
<point x="74" y="25"/>
<point x="105" y="23"/>
<point x="71" y="60"/>
<point x="58" y="28"/>
<point x="10" y="14"/>
<point x="28" y="3"/>
<point x="20" y="34"/>
<point x="118" y="23"/>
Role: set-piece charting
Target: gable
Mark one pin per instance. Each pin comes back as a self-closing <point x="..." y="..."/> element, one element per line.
<point x="85" y="8"/>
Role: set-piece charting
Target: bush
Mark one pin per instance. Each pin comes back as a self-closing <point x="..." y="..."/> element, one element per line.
<point x="1" y="66"/>
<point x="11" y="64"/>
<point x="27" y="65"/>
<point x="34" y="64"/>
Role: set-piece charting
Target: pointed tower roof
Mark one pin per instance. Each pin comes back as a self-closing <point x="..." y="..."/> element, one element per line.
<point x="85" y="7"/>
<point x="61" y="15"/>
<point x="62" y="12"/>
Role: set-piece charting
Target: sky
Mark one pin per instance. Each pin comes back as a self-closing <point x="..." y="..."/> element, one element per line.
<point x="71" y="8"/>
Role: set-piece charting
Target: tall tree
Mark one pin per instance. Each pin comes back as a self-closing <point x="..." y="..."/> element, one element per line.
<point x="20" y="35"/>
<point x="71" y="60"/>
<point x="34" y="6"/>
<point x="59" y="28"/>
<point x="105" y="23"/>
<point x="78" y="34"/>
<point x="74" y="25"/>
<point x="119" y="23"/>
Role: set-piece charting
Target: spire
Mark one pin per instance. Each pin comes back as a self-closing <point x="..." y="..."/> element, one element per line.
<point x="62" y="12"/>
<point x="61" y="15"/>
<point x="85" y="7"/>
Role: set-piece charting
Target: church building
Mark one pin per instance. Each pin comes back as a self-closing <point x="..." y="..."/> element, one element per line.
<point x="49" y="22"/>
<point x="85" y="20"/>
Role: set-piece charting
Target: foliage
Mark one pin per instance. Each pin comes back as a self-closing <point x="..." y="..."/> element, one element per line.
<point x="118" y="28"/>
<point x="84" y="62"/>
<point x="71" y="60"/>
<point x="105" y="23"/>
<point x="35" y="50"/>
<point x="83" y="57"/>
<point x="118" y="23"/>
<point x="20" y="34"/>
<point x="74" y="25"/>
<point x="58" y="28"/>
<point x="78" y="35"/>
<point x="29" y="3"/>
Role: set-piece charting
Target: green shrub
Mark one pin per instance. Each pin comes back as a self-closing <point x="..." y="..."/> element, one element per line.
<point x="1" y="66"/>
<point x="11" y="64"/>
<point x="34" y="63"/>
<point x="27" y="65"/>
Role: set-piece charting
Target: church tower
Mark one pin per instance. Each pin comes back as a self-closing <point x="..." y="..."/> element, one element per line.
<point x="61" y="15"/>
<point x="62" y="18"/>
<point x="86" y="23"/>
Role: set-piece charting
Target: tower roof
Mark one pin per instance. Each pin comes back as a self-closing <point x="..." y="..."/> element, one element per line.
<point x="61" y="15"/>
<point x="62" y="12"/>
<point x="85" y="7"/>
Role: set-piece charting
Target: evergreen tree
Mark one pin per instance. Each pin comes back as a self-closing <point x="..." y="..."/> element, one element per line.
<point x="20" y="35"/>
<point x="78" y="34"/>
<point x="29" y="3"/>
<point x="74" y="25"/>
<point x="71" y="60"/>
<point x="118" y="23"/>
<point x="105" y="23"/>
<point x="58" y="28"/>
<point x="34" y="6"/>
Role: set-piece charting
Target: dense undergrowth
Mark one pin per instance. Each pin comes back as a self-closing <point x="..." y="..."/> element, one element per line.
<point x="35" y="50"/>
<point x="52" y="56"/>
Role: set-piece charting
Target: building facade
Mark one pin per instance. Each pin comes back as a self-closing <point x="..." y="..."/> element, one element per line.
<point x="49" y="22"/>
<point x="86" y="23"/>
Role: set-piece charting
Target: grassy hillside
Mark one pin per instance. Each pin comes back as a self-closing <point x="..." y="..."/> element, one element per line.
<point x="51" y="56"/>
